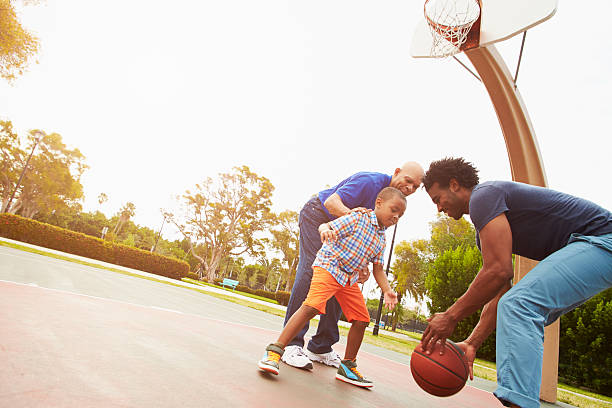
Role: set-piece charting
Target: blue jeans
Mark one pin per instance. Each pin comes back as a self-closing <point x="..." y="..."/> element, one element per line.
<point x="311" y="216"/>
<point x="561" y="282"/>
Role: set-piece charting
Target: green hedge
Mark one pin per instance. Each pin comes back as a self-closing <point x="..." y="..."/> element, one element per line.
<point x="585" y="351"/>
<point x="49" y="236"/>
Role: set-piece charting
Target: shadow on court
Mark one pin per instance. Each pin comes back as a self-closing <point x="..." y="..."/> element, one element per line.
<point x="60" y="349"/>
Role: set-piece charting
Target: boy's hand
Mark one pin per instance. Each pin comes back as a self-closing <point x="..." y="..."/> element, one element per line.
<point x="390" y="299"/>
<point x="364" y="274"/>
<point x="328" y="235"/>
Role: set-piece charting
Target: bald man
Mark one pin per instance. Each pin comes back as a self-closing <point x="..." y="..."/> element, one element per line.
<point x="356" y="193"/>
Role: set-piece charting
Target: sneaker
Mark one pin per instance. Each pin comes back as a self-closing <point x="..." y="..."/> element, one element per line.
<point x="331" y="359"/>
<point x="269" y="362"/>
<point x="294" y="356"/>
<point x="347" y="372"/>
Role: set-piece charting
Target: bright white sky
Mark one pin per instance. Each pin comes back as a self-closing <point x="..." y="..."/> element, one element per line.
<point x="159" y="95"/>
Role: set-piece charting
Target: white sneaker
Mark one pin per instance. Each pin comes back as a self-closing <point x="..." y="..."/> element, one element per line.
<point x="294" y="356"/>
<point x="331" y="359"/>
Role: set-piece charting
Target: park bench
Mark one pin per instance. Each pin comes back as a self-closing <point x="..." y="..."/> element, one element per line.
<point x="230" y="283"/>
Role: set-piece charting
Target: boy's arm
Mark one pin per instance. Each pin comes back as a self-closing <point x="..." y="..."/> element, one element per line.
<point x="341" y="227"/>
<point x="327" y="234"/>
<point x="383" y="284"/>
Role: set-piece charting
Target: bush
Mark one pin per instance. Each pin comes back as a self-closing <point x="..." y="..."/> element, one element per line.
<point x="282" y="297"/>
<point x="585" y="356"/>
<point x="243" y="288"/>
<point x="448" y="279"/>
<point x="49" y="236"/>
<point x="192" y="275"/>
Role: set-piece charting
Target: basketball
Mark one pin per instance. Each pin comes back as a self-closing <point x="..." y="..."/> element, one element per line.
<point x="440" y="375"/>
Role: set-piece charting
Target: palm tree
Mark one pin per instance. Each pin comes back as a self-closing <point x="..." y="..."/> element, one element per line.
<point x="126" y="212"/>
<point x="409" y="270"/>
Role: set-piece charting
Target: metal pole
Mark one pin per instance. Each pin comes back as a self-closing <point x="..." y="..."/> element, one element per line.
<point x="8" y="205"/>
<point x="382" y="295"/>
<point x="158" y="235"/>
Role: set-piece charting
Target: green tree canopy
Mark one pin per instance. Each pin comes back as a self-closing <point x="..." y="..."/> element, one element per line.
<point x="225" y="215"/>
<point x="448" y="233"/>
<point x="17" y="45"/>
<point x="450" y="275"/>
<point x="410" y="268"/>
<point x="52" y="180"/>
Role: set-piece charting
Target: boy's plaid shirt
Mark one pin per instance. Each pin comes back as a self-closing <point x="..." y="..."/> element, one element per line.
<point x="360" y="241"/>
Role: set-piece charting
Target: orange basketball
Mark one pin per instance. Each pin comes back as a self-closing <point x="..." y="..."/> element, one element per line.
<point x="440" y="375"/>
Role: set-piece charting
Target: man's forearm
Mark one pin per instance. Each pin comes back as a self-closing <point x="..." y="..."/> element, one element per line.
<point x="488" y="320"/>
<point x="335" y="206"/>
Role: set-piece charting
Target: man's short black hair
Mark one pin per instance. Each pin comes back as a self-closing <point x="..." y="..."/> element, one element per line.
<point x="442" y="171"/>
<point x="389" y="192"/>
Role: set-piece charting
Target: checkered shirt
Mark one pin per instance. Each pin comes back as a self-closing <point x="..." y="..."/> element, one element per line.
<point x="360" y="241"/>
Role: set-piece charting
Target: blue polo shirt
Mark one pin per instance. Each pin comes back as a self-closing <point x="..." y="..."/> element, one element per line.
<point x="359" y="190"/>
<point x="541" y="219"/>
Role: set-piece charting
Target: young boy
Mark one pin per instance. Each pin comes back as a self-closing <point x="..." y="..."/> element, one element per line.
<point x="349" y="244"/>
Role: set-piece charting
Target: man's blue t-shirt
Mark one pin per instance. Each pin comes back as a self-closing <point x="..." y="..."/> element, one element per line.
<point x="541" y="219"/>
<point x="359" y="190"/>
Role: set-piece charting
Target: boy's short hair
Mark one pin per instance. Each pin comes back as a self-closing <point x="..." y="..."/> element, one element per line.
<point x="390" y="192"/>
<point x="442" y="171"/>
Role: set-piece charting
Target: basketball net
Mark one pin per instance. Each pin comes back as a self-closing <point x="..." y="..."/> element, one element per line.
<point x="449" y="22"/>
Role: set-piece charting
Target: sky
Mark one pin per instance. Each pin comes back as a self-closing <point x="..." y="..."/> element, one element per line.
<point x="160" y="95"/>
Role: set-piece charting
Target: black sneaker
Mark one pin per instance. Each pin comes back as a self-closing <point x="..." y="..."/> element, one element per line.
<point x="269" y="362"/>
<point x="347" y="372"/>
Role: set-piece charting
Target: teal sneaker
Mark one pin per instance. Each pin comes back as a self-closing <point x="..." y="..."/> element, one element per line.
<point x="347" y="372"/>
<point x="269" y="362"/>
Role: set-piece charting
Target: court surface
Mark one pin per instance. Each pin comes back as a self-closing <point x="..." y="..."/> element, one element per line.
<point x="77" y="336"/>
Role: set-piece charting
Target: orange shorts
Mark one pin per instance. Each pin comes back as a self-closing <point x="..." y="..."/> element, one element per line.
<point x="324" y="286"/>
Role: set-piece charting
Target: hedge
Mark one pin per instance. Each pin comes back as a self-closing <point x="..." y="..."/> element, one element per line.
<point x="49" y="236"/>
<point x="585" y="351"/>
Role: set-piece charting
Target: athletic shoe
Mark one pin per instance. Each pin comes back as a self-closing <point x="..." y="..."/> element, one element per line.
<point x="347" y="372"/>
<point x="331" y="359"/>
<point x="269" y="362"/>
<point x="295" y="357"/>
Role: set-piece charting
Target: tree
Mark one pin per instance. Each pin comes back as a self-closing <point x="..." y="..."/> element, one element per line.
<point x="124" y="215"/>
<point x="449" y="277"/>
<point x="410" y="268"/>
<point x="17" y="45"/>
<point x="52" y="180"/>
<point x="286" y="239"/>
<point x="448" y="233"/>
<point x="225" y="216"/>
<point x="102" y="198"/>
<point x="11" y="163"/>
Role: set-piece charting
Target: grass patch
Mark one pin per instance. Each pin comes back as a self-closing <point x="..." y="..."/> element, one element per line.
<point x="414" y="335"/>
<point x="196" y="282"/>
<point x="384" y="341"/>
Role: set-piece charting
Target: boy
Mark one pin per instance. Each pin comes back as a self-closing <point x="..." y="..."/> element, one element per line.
<point x="349" y="243"/>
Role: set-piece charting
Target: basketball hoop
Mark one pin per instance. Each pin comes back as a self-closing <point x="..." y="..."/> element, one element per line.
<point x="449" y="22"/>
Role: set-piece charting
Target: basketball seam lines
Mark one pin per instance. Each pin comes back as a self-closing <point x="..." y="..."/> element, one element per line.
<point x="434" y="385"/>
<point x="444" y="367"/>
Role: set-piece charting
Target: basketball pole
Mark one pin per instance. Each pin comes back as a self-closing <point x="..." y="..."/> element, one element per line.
<point x="382" y="295"/>
<point x="527" y="167"/>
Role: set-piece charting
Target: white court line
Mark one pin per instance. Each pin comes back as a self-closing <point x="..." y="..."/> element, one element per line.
<point x="141" y="306"/>
<point x="166" y="310"/>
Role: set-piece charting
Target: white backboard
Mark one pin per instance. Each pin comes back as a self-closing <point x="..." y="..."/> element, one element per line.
<point x="500" y="20"/>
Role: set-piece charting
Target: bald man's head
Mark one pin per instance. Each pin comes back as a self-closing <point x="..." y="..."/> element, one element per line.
<point x="408" y="177"/>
